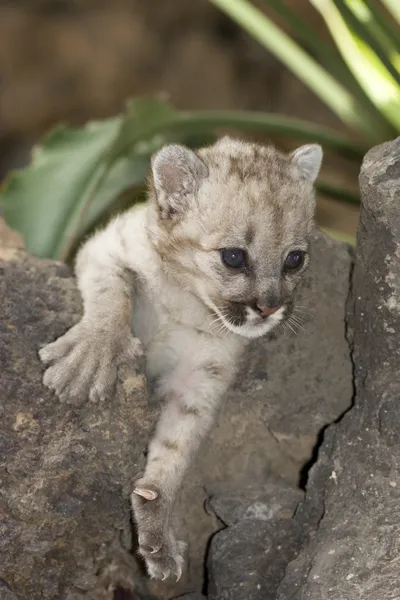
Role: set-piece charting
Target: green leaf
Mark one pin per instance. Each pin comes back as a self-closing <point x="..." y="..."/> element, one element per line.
<point x="42" y="201"/>
<point x="311" y="39"/>
<point x="125" y="173"/>
<point x="77" y="176"/>
<point x="359" y="21"/>
<point x="364" y="63"/>
<point x="382" y="26"/>
<point x="326" y="87"/>
<point x="260" y="122"/>
<point x="328" y="56"/>
<point x="337" y="193"/>
<point x="393" y="7"/>
<point x="145" y="127"/>
<point x="340" y="236"/>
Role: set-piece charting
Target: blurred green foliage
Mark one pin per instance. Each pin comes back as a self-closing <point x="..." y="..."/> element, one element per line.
<point x="360" y="79"/>
<point x="80" y="176"/>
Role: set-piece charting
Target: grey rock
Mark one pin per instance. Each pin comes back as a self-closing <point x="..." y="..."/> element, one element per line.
<point x="6" y="593"/>
<point x="289" y="387"/>
<point x="191" y="596"/>
<point x="353" y="498"/>
<point x="68" y="470"/>
<point x="269" y="501"/>
<point x="247" y="559"/>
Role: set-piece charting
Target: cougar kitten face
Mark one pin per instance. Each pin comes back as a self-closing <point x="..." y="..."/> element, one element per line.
<point x="233" y="223"/>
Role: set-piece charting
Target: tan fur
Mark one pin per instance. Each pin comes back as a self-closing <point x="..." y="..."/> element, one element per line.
<point x="192" y="315"/>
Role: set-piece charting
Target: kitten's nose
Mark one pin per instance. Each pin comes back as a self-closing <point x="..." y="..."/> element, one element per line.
<point x="266" y="311"/>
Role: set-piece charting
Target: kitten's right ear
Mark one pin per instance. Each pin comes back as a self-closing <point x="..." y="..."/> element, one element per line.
<point x="177" y="174"/>
<point x="308" y="160"/>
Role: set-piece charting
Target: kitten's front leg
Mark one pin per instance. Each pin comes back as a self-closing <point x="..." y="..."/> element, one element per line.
<point x="189" y="412"/>
<point x="83" y="362"/>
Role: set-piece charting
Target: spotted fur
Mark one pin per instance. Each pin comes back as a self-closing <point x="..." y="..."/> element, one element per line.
<point x="157" y="271"/>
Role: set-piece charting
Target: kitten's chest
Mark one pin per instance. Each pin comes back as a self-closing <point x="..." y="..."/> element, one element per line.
<point x="176" y="331"/>
<point x="167" y="325"/>
<point x="159" y="313"/>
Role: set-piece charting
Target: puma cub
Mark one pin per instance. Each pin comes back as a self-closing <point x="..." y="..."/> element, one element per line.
<point x="210" y="261"/>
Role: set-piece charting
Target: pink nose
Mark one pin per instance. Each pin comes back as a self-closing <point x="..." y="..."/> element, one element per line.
<point x="266" y="311"/>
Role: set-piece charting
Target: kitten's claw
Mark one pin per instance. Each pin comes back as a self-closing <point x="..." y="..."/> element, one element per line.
<point x="166" y="562"/>
<point x="161" y="551"/>
<point x="178" y="573"/>
<point x="147" y="494"/>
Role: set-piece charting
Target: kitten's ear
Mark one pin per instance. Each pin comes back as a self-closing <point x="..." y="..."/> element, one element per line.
<point x="177" y="174"/>
<point x="308" y="159"/>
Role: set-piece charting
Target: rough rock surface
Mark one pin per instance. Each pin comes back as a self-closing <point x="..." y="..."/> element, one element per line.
<point x="247" y="559"/>
<point x="67" y="470"/>
<point x="354" y="492"/>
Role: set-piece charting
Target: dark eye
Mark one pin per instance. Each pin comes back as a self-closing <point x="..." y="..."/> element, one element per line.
<point x="294" y="260"/>
<point x="234" y="258"/>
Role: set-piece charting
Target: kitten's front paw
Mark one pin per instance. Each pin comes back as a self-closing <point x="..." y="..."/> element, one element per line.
<point x="162" y="552"/>
<point x="166" y="562"/>
<point x="83" y="362"/>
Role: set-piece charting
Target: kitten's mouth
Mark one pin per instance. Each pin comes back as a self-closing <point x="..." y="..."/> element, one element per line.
<point x="261" y="320"/>
<point x="250" y="320"/>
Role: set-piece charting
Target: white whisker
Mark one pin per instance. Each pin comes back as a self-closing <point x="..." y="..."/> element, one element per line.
<point x="218" y="324"/>
<point x="288" y="323"/>
<point x="297" y="321"/>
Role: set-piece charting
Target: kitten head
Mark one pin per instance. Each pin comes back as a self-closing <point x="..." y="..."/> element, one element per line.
<point x="232" y="225"/>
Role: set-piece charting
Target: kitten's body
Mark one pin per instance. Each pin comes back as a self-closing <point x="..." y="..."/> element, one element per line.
<point x="171" y="321"/>
<point x="168" y="270"/>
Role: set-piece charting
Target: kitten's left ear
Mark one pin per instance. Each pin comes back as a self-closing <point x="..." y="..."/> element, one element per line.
<point x="308" y="159"/>
<point x="177" y="174"/>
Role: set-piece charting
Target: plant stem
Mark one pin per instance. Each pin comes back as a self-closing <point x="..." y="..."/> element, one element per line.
<point x="328" y="56"/>
<point x="359" y="29"/>
<point x="391" y="32"/>
<point x="338" y="193"/>
<point x="270" y="123"/>
<point x="332" y="93"/>
<point x="365" y="65"/>
<point x="393" y="6"/>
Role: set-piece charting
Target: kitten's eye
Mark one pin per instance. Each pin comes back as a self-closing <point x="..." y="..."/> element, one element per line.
<point x="294" y="260"/>
<point x="234" y="258"/>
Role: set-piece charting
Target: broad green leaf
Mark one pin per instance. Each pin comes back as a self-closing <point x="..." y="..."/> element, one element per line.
<point x="126" y="172"/>
<point x="145" y="127"/>
<point x="42" y="200"/>
<point x="77" y="175"/>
